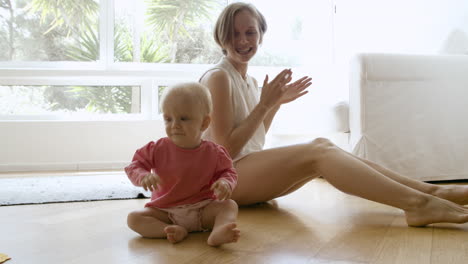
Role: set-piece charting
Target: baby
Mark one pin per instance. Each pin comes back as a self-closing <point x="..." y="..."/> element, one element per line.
<point x="191" y="179"/>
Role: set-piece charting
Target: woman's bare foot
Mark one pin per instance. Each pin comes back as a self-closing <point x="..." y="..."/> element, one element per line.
<point x="437" y="210"/>
<point x="175" y="233"/>
<point x="227" y="233"/>
<point x="455" y="193"/>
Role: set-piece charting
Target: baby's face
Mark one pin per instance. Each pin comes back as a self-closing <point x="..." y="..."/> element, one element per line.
<point x="183" y="121"/>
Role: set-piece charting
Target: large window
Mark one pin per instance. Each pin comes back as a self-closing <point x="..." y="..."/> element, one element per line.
<point x="49" y="30"/>
<point x="177" y="31"/>
<point x="77" y="102"/>
<point x="80" y="80"/>
<point x="49" y="46"/>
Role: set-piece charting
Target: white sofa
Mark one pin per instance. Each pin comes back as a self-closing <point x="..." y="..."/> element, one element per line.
<point x="410" y="113"/>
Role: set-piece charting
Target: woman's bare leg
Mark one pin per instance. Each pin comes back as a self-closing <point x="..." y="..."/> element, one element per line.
<point x="272" y="173"/>
<point x="296" y="186"/>
<point x="455" y="193"/>
<point x="268" y="174"/>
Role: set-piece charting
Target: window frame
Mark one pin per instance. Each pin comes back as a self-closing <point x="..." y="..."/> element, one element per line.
<point x="104" y="71"/>
<point x="108" y="71"/>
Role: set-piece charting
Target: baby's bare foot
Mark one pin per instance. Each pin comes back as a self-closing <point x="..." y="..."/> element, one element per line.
<point x="437" y="210"/>
<point x="175" y="233"/>
<point x="227" y="233"/>
<point x="455" y="193"/>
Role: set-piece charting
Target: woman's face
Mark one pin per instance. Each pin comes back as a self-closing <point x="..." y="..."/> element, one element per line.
<point x="246" y="38"/>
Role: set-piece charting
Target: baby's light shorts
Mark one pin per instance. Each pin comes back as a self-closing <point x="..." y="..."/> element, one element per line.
<point x="188" y="215"/>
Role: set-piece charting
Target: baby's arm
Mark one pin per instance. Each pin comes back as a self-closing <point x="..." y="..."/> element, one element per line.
<point x="226" y="176"/>
<point x="222" y="189"/>
<point x="150" y="181"/>
<point x="141" y="166"/>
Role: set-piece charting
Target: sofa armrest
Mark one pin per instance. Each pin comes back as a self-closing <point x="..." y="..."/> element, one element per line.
<point x="409" y="113"/>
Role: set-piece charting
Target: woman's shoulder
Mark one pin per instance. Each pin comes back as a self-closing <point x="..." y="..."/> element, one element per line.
<point x="215" y="78"/>
<point x="216" y="74"/>
<point x="221" y="71"/>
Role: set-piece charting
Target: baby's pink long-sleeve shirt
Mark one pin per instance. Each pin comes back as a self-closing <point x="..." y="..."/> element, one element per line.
<point x="186" y="174"/>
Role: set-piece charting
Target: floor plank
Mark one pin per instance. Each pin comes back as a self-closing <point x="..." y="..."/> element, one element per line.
<point x="403" y="244"/>
<point x="316" y="224"/>
<point x="450" y="244"/>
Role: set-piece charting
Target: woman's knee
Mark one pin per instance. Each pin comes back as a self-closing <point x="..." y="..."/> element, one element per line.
<point x="320" y="148"/>
<point x="322" y="142"/>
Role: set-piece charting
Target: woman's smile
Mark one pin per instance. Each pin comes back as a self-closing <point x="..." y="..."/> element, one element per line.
<point x="244" y="51"/>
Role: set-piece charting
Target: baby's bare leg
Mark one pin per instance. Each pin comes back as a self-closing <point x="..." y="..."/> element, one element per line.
<point x="221" y="215"/>
<point x="154" y="223"/>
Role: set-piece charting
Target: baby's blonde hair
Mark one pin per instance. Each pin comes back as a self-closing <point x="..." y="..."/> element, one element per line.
<point x="224" y="28"/>
<point x="195" y="92"/>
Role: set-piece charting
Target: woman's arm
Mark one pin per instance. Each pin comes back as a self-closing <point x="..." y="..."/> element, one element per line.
<point x="274" y="94"/>
<point x="291" y="92"/>
<point x="271" y="114"/>
<point x="269" y="117"/>
<point x="222" y="126"/>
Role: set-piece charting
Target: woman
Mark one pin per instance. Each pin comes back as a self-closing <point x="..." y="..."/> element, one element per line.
<point x="242" y="114"/>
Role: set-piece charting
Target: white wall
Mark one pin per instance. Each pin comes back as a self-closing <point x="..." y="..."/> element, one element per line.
<point x="28" y="145"/>
<point x="313" y="50"/>
<point x="58" y="145"/>
<point x="398" y="26"/>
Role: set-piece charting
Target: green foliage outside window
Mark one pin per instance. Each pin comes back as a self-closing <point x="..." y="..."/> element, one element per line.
<point x="67" y="30"/>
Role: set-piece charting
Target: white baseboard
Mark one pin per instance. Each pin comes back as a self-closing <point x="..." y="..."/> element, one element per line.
<point x="82" y="166"/>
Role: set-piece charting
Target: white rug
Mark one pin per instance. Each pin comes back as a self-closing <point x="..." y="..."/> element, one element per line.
<point x="68" y="188"/>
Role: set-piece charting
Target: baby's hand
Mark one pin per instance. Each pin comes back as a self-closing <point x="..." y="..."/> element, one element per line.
<point x="150" y="182"/>
<point x="222" y="190"/>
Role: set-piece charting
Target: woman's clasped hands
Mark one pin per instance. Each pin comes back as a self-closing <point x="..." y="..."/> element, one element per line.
<point x="280" y="91"/>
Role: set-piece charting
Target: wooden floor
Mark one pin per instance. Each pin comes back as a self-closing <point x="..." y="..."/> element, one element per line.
<point x="316" y="224"/>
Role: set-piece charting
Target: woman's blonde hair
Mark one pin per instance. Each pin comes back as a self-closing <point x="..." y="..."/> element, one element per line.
<point x="195" y="92"/>
<point x="224" y="28"/>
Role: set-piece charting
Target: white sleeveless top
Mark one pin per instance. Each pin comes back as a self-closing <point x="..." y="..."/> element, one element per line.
<point x="245" y="95"/>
